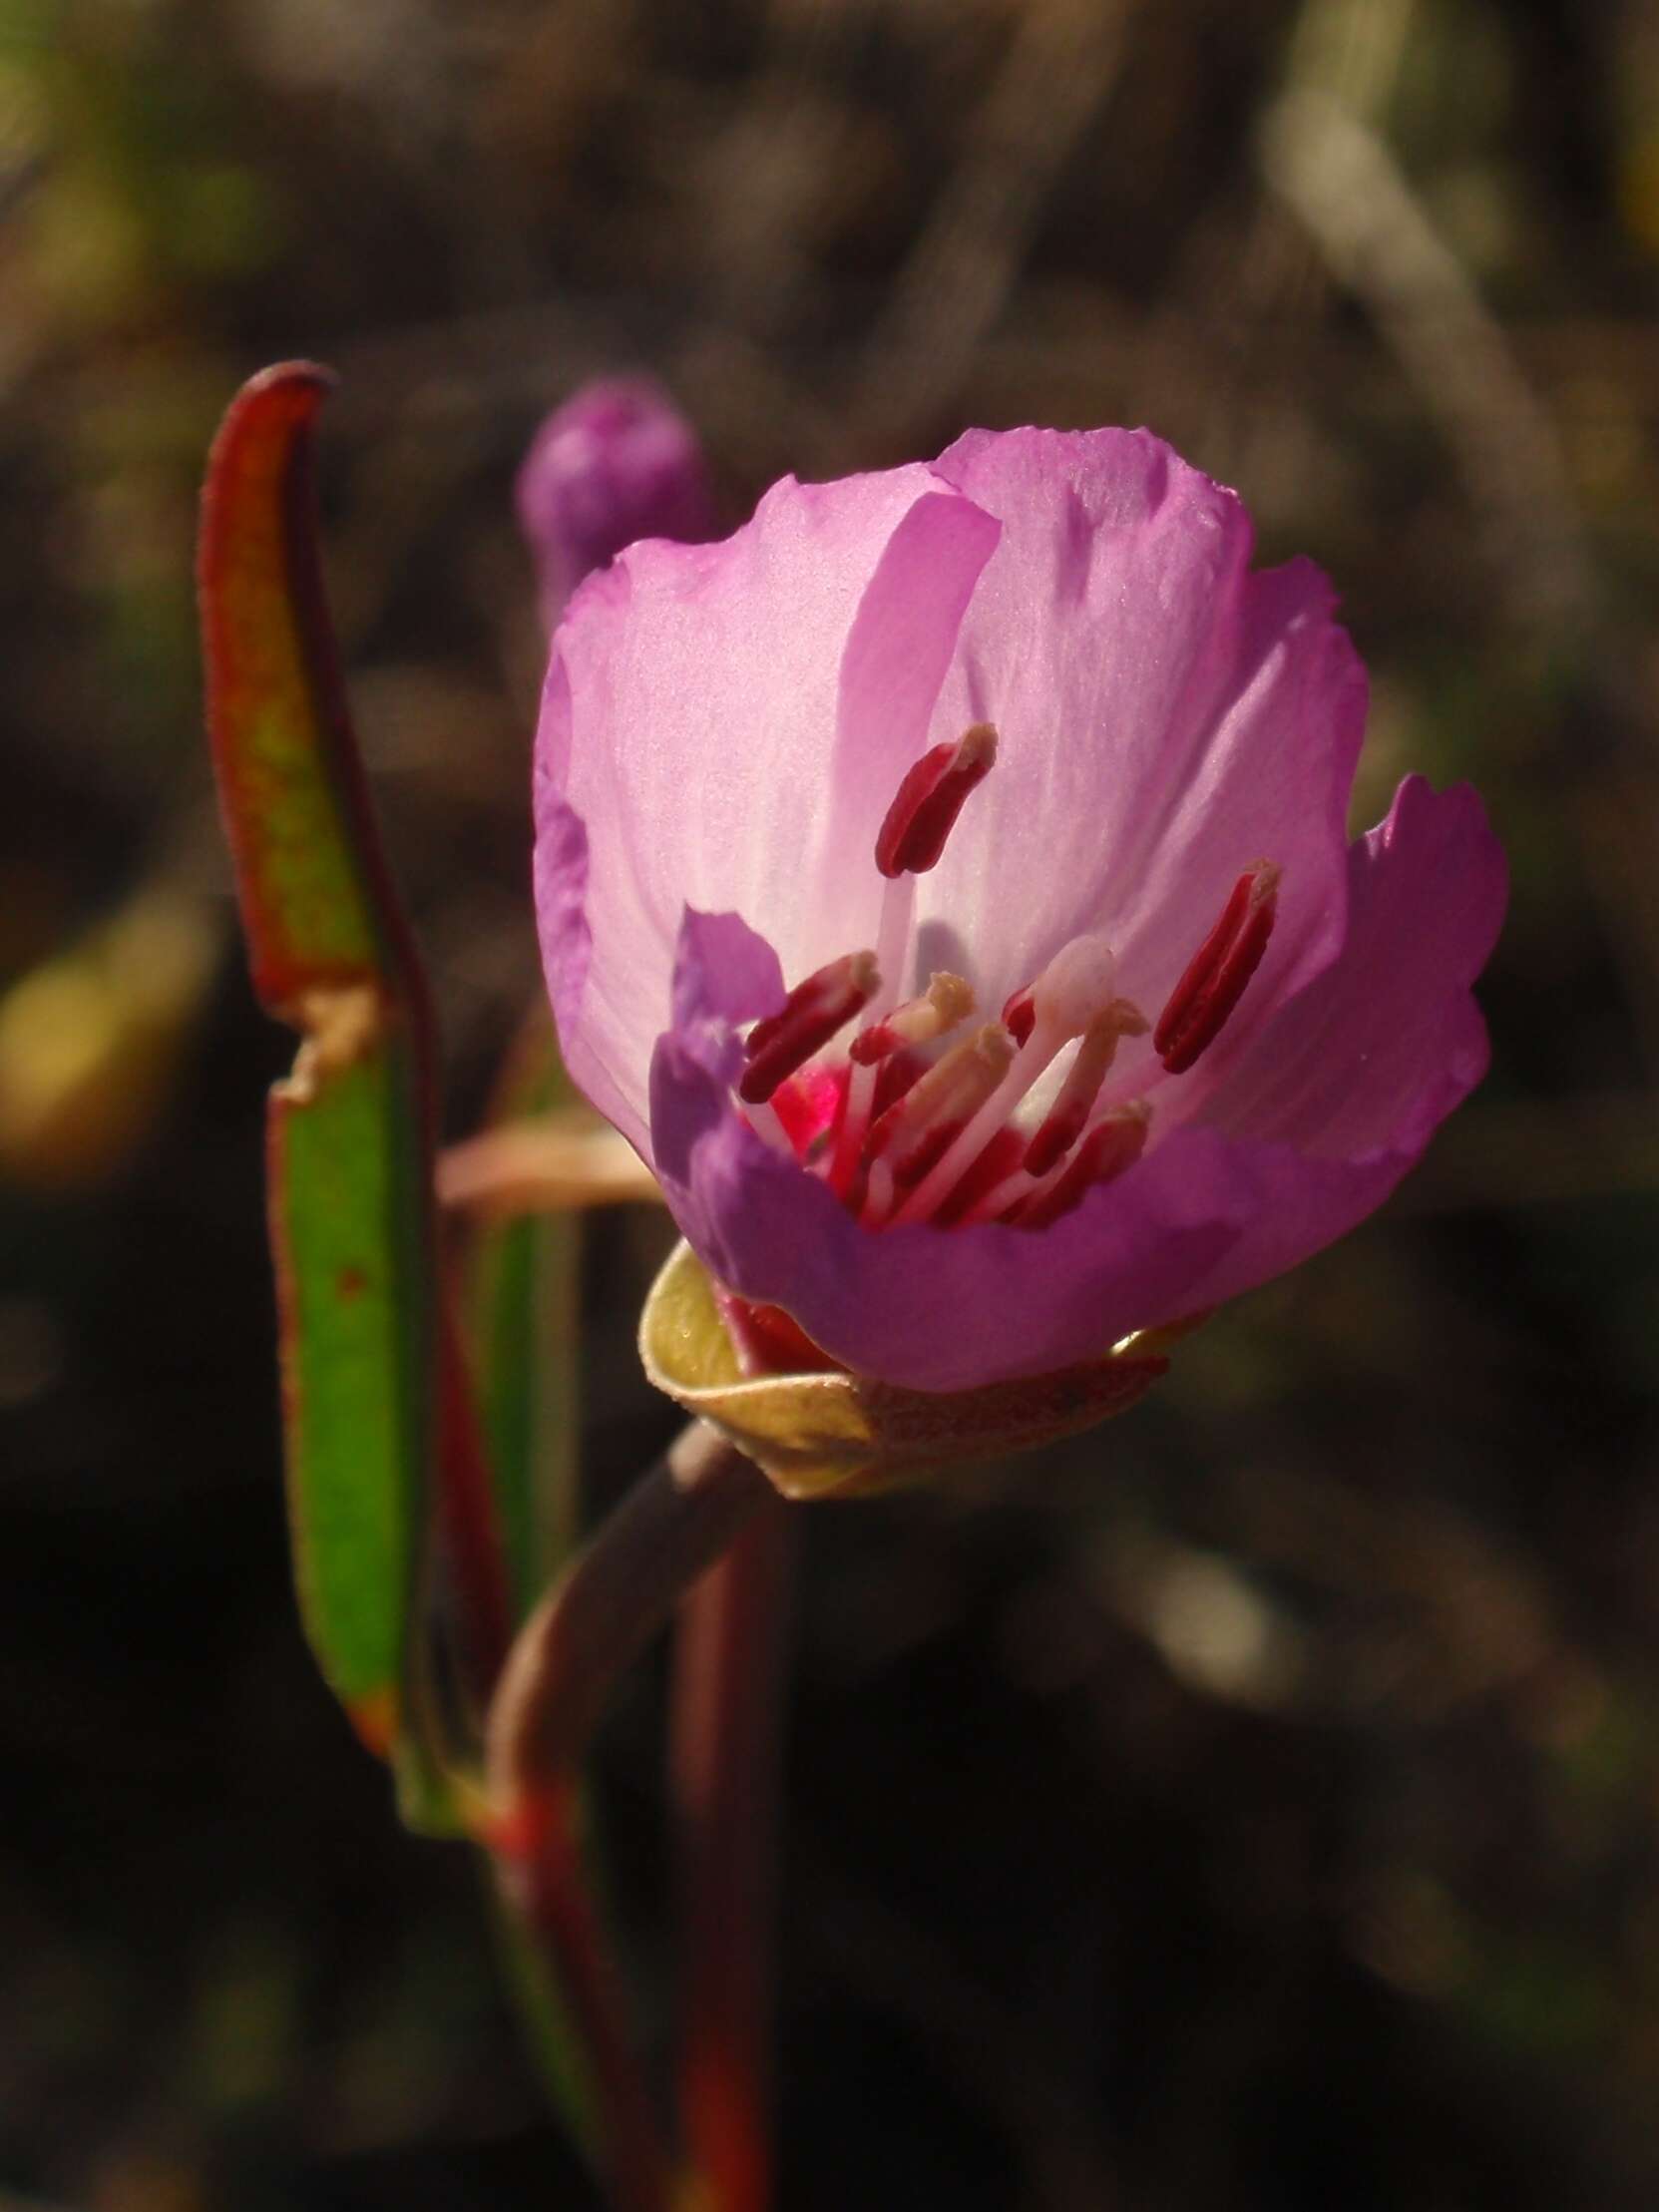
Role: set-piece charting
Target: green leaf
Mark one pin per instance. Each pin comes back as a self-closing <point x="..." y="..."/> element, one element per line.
<point x="375" y="1422"/>
<point x="343" y="1201"/>
<point x="523" y="1319"/>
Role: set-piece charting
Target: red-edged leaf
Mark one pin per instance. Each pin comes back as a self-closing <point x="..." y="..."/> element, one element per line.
<point x="376" y="1411"/>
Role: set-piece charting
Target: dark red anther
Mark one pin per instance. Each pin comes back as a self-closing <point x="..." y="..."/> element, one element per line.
<point x="947" y="1001"/>
<point x="924" y="812"/>
<point x="1218" y="972"/>
<point x="1020" y="1014"/>
<point x="1058" y="1133"/>
<point x="1110" y="1146"/>
<point x="806" y="1022"/>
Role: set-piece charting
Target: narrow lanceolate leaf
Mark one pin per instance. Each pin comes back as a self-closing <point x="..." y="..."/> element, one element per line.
<point x="369" y="1408"/>
<point x="521" y="1315"/>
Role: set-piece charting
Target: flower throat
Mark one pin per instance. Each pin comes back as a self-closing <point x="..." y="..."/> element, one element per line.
<point x="918" y="1122"/>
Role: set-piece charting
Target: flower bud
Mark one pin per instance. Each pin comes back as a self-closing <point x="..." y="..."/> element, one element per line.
<point x="617" y="462"/>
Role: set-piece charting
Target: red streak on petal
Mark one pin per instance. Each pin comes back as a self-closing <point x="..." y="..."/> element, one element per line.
<point x="1218" y="972"/>
<point x="806" y="1021"/>
<point x="924" y="811"/>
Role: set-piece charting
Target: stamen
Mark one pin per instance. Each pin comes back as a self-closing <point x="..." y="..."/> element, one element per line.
<point x="1113" y="1144"/>
<point x="1218" y="972"/>
<point x="898" y="911"/>
<point x="1076" y="986"/>
<point x="1065" y="1121"/>
<point x="1073" y="987"/>
<point x="947" y="1001"/>
<point x="806" y="1022"/>
<point x="916" y="1133"/>
<point x="924" y="811"/>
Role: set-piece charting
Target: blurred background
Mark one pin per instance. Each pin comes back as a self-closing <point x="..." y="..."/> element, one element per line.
<point x="1251" y="1805"/>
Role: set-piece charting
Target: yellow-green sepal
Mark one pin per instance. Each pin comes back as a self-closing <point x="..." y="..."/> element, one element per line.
<point x="835" y="1435"/>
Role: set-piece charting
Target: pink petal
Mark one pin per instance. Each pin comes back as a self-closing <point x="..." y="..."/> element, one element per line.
<point x="1167" y="718"/>
<point x="1377" y="1049"/>
<point x="897" y="654"/>
<point x="686" y="729"/>
<point x="1341" y="1093"/>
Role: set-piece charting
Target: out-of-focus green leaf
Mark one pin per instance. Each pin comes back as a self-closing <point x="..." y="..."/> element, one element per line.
<point x="521" y="1315"/>
<point x="368" y="1394"/>
<point x="522" y="1308"/>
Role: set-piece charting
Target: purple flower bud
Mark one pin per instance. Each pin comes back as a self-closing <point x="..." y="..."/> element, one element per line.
<point x="617" y="462"/>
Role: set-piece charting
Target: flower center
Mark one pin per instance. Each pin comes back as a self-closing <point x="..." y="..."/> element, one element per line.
<point x="922" y="1119"/>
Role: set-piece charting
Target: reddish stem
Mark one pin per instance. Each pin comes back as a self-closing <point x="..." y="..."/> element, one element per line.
<point x="725" y="1760"/>
<point x="540" y="1863"/>
<point x="469" y="1521"/>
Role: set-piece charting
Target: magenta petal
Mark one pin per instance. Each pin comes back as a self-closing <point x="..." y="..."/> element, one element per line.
<point x="1341" y="1093"/>
<point x="1382" y="1045"/>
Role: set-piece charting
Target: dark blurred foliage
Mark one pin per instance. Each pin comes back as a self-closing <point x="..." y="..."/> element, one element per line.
<point x="1251" y="1805"/>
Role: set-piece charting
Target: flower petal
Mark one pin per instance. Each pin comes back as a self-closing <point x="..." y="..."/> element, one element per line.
<point x="897" y="652"/>
<point x="684" y="752"/>
<point x="1375" y="1051"/>
<point x="1340" y="1094"/>
<point x="1167" y="718"/>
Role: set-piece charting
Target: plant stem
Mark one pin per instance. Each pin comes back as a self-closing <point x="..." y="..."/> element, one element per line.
<point x="540" y="1867"/>
<point x="608" y="1605"/>
<point x="725" y="1763"/>
<point x="616" y="1592"/>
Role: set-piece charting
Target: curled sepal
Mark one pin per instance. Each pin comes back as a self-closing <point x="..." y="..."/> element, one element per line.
<point x="835" y="1435"/>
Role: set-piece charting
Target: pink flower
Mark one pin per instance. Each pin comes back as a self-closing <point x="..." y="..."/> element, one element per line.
<point x="617" y="462"/>
<point x="1182" y="1035"/>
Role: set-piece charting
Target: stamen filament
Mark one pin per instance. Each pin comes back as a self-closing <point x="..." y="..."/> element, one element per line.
<point x="898" y="907"/>
<point x="1097" y="1050"/>
<point x="929" y="1121"/>
<point x="1111" y="1146"/>
<point x="947" y="1001"/>
<point x="971" y="1140"/>
<point x="1074" y="989"/>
